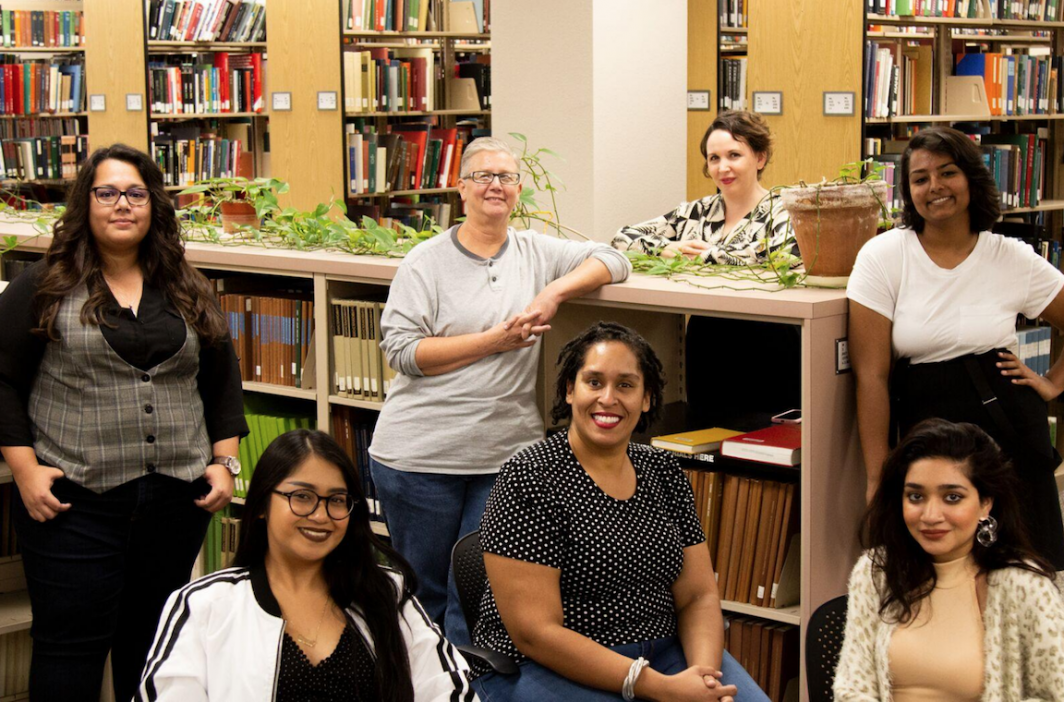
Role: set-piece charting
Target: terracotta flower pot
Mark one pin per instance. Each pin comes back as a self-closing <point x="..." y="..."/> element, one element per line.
<point x="238" y="215"/>
<point x="847" y="216"/>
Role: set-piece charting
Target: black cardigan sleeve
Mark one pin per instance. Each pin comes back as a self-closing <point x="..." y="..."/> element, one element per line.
<point x="221" y="391"/>
<point x="20" y="356"/>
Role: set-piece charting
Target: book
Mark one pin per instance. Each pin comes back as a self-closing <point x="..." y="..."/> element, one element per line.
<point x="691" y="442"/>
<point x="779" y="444"/>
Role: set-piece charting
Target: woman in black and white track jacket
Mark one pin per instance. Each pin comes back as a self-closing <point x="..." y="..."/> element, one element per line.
<point x="307" y="613"/>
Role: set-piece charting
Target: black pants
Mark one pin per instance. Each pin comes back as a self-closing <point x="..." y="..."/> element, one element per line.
<point x="946" y="390"/>
<point x="98" y="576"/>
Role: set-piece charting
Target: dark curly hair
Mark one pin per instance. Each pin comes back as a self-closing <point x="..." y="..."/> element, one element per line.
<point x="571" y="360"/>
<point x="73" y="259"/>
<point x="984" y="204"/>
<point x="747" y="127"/>
<point x="908" y="571"/>
<point x="352" y="571"/>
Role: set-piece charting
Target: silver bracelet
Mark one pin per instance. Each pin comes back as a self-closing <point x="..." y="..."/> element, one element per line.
<point x="628" y="688"/>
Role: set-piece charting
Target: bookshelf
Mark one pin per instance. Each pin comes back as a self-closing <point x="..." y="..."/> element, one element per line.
<point x="702" y="74"/>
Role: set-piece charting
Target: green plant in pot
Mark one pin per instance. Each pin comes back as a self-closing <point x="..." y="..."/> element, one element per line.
<point x="240" y="203"/>
<point x="832" y="220"/>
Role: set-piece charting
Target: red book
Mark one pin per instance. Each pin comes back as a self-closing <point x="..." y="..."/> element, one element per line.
<point x="417" y="140"/>
<point x="448" y="137"/>
<point x="779" y="444"/>
<point x="379" y="14"/>
<point x="193" y="22"/>
<point x="257" y="104"/>
<point x="221" y="62"/>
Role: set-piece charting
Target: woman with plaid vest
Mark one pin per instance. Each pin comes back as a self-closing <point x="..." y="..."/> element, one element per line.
<point x="120" y="415"/>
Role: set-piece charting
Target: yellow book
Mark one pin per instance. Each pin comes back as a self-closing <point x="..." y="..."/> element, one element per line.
<point x="693" y="442"/>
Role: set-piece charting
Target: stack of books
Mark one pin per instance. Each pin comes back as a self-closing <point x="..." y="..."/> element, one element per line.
<point x="767" y="651"/>
<point x="360" y="371"/>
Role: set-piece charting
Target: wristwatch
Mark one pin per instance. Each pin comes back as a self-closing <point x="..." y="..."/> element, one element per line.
<point x="231" y="463"/>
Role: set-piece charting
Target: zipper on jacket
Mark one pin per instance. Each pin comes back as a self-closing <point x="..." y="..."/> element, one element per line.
<point x="277" y="662"/>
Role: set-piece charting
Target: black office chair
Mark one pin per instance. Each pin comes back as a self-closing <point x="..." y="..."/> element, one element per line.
<point x="823" y="644"/>
<point x="470" y="578"/>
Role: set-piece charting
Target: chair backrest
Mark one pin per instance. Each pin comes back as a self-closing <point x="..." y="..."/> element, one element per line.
<point x="470" y="578"/>
<point x="823" y="644"/>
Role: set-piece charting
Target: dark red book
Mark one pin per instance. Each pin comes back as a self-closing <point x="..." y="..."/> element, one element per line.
<point x="779" y="444"/>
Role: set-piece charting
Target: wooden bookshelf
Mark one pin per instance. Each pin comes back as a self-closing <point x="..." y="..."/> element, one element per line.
<point x="308" y="33"/>
<point x="787" y="615"/>
<point x="41" y="49"/>
<point x="115" y="67"/>
<point x="46" y="115"/>
<point x="702" y="74"/>
<point x="15" y="613"/>
<point x="946" y="119"/>
<point x="414" y="113"/>
<point x="417" y="35"/>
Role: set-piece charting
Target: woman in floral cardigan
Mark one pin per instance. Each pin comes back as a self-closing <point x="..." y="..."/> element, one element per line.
<point x="949" y="602"/>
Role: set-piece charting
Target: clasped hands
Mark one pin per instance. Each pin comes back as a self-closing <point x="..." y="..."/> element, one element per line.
<point x="524" y="329"/>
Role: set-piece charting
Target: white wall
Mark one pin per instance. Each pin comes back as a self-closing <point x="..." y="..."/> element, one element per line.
<point x="602" y="84"/>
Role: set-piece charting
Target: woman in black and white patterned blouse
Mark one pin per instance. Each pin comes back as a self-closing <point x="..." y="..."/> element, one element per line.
<point x="596" y="561"/>
<point x="737" y="226"/>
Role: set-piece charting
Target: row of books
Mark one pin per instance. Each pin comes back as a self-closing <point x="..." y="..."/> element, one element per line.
<point x="185" y="161"/>
<point x="733" y="83"/>
<point x="266" y="421"/>
<point x="734" y="13"/>
<point x="1036" y="10"/>
<point x="40" y="86"/>
<point x="389" y="80"/>
<point x="410" y="157"/>
<point x="768" y="651"/>
<point x="8" y="542"/>
<point x="16" y="649"/>
<point x="419" y="216"/>
<point x="207" y="20"/>
<point x="44" y="28"/>
<point x="468" y="16"/>
<point x="1034" y="348"/>
<point x="354" y="433"/>
<point x="221" y="541"/>
<point x="271" y="335"/>
<point x="223" y="83"/>
<point x="899" y="80"/>
<point x="36" y="126"/>
<point x="1049" y="250"/>
<point x="360" y="370"/>
<point x="1016" y="84"/>
<point x="474" y="73"/>
<point x="751" y="529"/>
<point x="43" y="158"/>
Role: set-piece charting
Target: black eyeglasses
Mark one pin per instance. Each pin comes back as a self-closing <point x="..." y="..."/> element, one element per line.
<point x="304" y="503"/>
<point x="136" y="197"/>
<point x="485" y="177"/>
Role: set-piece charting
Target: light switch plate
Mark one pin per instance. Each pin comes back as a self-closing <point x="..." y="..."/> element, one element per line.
<point x="134" y="102"/>
<point x="97" y="103"/>
<point x="327" y="100"/>
<point x="282" y="102"/>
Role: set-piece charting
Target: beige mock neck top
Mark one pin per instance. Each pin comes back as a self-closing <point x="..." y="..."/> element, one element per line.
<point x="939" y="655"/>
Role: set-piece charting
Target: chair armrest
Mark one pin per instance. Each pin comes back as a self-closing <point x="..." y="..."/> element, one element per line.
<point x="498" y="662"/>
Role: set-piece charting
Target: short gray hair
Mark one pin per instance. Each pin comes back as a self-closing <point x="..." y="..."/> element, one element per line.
<point x="486" y="144"/>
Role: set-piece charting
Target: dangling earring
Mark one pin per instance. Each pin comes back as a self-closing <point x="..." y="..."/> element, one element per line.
<point x="986" y="534"/>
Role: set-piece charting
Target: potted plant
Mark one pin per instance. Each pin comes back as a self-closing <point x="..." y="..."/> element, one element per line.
<point x="833" y="220"/>
<point x="238" y="202"/>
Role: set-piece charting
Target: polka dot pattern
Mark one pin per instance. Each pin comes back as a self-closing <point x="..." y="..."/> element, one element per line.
<point x="348" y="674"/>
<point x="618" y="558"/>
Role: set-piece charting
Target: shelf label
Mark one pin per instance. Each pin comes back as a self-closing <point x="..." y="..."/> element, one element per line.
<point x="698" y="100"/>
<point x="97" y="103"/>
<point x="838" y="104"/>
<point x="134" y="102"/>
<point x="842" y="356"/>
<point x="768" y="102"/>
<point x="327" y="100"/>
<point x="281" y="102"/>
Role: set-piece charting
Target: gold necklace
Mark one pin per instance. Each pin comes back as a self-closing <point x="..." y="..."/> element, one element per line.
<point x="302" y="640"/>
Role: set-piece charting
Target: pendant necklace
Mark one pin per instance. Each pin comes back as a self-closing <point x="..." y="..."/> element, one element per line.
<point x="302" y="640"/>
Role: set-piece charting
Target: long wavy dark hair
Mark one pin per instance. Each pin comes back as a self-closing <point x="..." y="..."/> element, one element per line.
<point x="984" y="201"/>
<point x="571" y="360"/>
<point x="352" y="572"/>
<point x="73" y="259"/>
<point x="908" y="571"/>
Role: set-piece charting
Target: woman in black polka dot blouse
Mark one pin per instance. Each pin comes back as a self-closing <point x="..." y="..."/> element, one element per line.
<point x="596" y="560"/>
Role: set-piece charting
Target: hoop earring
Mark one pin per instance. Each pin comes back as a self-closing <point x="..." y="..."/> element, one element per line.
<point x="986" y="534"/>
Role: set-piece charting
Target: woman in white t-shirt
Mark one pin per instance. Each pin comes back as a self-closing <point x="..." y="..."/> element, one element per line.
<point x="933" y="308"/>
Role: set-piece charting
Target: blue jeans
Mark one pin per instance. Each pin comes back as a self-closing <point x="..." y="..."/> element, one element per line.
<point x="98" y="576"/>
<point x="427" y="513"/>
<point x="536" y="682"/>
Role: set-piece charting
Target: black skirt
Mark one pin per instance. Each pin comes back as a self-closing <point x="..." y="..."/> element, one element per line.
<point x="966" y="389"/>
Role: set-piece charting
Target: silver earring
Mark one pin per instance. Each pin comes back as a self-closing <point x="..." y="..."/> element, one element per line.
<point x="986" y="534"/>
